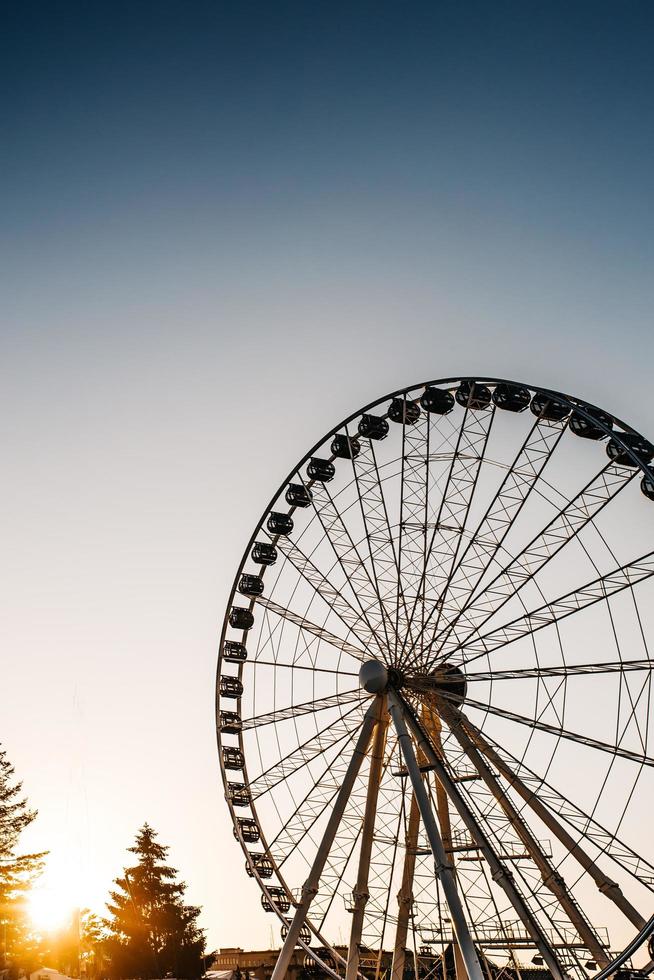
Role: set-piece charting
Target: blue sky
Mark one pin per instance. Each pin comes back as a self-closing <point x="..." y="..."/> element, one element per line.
<point x="224" y="227"/>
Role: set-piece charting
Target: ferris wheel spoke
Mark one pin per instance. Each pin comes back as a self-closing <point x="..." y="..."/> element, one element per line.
<point x="552" y="878"/>
<point x="306" y="708"/>
<point x="334" y="671"/>
<point x="319" y="743"/>
<point x="541" y="726"/>
<point x="332" y="595"/>
<point x="483" y="545"/>
<point x="598" y="590"/>
<point x="565" y="670"/>
<point x="560" y="531"/>
<point x="381" y="545"/>
<point x="414" y="510"/>
<point x="453" y="509"/>
<point x="309" y="627"/>
<point x="549" y="804"/>
<point x="353" y="565"/>
<point x="400" y="710"/>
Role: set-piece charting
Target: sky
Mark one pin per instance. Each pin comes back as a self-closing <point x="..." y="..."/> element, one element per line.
<point x="225" y="227"/>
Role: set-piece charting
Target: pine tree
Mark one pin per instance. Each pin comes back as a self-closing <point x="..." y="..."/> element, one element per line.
<point x="152" y="931"/>
<point x="17" y="871"/>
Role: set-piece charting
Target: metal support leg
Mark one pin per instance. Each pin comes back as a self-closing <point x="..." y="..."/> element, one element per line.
<point x="551" y="878"/>
<point x="499" y="873"/>
<point x="361" y="893"/>
<point x="605" y="885"/>
<point x="405" y="896"/>
<point x="310" y="887"/>
<point x="443" y="867"/>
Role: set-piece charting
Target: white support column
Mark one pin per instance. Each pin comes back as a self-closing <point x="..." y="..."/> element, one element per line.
<point x="310" y="887"/>
<point x="361" y="893"/>
<point x="499" y="873"/>
<point x="442" y="866"/>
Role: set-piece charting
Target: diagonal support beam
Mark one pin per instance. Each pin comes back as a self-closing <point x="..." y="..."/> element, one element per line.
<point x="605" y="884"/>
<point x="551" y="877"/>
<point x="443" y="867"/>
<point x="310" y="887"/>
<point x="499" y="873"/>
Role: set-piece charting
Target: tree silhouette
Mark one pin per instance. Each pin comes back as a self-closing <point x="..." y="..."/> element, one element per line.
<point x="17" y="871"/>
<point x="152" y="931"/>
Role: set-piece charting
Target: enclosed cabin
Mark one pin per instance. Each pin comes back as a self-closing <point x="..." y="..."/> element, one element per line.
<point x="305" y="934"/>
<point x="249" y="830"/>
<point x="276" y="900"/>
<point x="230" y="723"/>
<point x="321" y="470"/>
<point x="373" y="427"/>
<point x="473" y="395"/>
<point x="345" y="447"/>
<point x="401" y="410"/>
<point x="234" y="652"/>
<point x="297" y="495"/>
<point x="584" y="423"/>
<point x="546" y="406"/>
<point x="511" y="398"/>
<point x="232" y="758"/>
<point x="260" y="863"/>
<point x="241" y="618"/>
<point x="263" y="553"/>
<point x="323" y="954"/>
<point x="230" y="687"/>
<point x="437" y="401"/>
<point x="634" y="446"/>
<point x="250" y="585"/>
<point x="279" y="523"/>
<point x="238" y="794"/>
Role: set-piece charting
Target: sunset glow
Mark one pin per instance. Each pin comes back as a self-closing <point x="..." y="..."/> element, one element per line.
<point x="52" y="906"/>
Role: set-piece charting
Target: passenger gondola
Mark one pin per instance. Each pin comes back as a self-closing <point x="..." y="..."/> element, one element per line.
<point x="373" y="427"/>
<point x="264" y="553"/>
<point x="230" y="687"/>
<point x="250" y="585"/>
<point x="279" y="523"/>
<point x="234" y="652"/>
<point x="511" y="398"/>
<point x="345" y="447"/>
<point x="547" y="407"/>
<point x="297" y="495"/>
<point x="232" y="758"/>
<point x="240" y="618"/>
<point x="401" y="410"/>
<point x="472" y="394"/>
<point x="586" y="428"/>
<point x="321" y="470"/>
<point x="437" y="401"/>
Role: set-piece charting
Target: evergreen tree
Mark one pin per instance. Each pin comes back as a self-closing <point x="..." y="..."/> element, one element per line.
<point x="152" y="931"/>
<point x="17" y="871"/>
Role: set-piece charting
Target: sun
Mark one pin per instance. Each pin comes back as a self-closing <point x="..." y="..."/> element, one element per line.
<point x="51" y="908"/>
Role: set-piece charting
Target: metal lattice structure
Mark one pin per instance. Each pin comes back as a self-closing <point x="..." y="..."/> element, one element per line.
<point x="434" y="688"/>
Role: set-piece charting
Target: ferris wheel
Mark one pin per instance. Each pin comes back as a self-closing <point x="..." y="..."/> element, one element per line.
<point x="434" y="690"/>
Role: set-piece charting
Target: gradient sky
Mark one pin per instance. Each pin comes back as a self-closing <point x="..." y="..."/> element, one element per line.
<point x="224" y="227"/>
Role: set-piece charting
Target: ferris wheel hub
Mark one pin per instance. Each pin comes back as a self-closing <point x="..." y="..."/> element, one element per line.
<point x="373" y="677"/>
